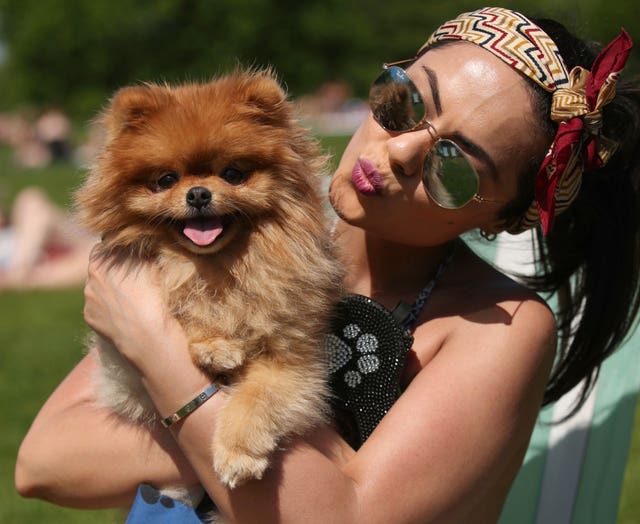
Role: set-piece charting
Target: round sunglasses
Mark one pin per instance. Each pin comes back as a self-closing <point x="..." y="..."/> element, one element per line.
<point x="447" y="175"/>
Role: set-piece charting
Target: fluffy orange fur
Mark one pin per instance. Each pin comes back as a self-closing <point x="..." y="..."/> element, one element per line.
<point x="218" y="185"/>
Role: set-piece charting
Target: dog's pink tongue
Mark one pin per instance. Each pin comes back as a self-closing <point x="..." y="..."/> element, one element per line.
<point x="202" y="231"/>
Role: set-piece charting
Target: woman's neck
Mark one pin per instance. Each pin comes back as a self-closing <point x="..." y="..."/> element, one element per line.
<point x="382" y="269"/>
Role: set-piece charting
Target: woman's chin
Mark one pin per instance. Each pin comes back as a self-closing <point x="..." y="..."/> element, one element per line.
<point x="345" y="203"/>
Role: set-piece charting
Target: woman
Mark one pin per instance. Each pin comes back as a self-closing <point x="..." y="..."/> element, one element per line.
<point x="477" y="105"/>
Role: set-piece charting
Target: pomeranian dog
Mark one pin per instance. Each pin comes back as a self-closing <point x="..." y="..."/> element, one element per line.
<point x="219" y="186"/>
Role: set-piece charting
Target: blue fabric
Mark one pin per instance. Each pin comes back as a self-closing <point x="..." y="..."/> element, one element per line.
<point x="151" y="507"/>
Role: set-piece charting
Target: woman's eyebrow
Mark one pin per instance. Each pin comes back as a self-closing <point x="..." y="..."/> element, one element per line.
<point x="475" y="150"/>
<point x="467" y="144"/>
<point x="433" y="84"/>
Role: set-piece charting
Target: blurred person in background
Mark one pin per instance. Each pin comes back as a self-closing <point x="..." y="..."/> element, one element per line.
<point x="38" y="142"/>
<point x="41" y="246"/>
<point x="53" y="130"/>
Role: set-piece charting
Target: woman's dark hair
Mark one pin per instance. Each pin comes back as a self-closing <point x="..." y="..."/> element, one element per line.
<point x="591" y="255"/>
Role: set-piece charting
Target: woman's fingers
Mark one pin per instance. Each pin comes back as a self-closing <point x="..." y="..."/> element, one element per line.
<point x="123" y="302"/>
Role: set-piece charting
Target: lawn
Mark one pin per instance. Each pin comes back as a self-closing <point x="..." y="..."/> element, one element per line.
<point x="41" y="339"/>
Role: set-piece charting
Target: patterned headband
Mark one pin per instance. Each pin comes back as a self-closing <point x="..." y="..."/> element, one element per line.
<point x="512" y="38"/>
<point x="578" y="97"/>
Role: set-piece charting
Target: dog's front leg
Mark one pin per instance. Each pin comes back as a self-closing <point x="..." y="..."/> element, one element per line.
<point x="269" y="401"/>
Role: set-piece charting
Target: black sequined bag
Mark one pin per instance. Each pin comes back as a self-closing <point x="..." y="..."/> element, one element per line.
<point x="367" y="347"/>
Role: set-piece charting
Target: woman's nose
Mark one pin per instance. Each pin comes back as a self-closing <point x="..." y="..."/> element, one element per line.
<point x="407" y="151"/>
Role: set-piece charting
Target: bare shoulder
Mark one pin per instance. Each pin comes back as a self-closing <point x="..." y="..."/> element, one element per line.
<point x="478" y="301"/>
<point x="500" y="335"/>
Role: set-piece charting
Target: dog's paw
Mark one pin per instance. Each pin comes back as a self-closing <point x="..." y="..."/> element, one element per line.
<point x="234" y="468"/>
<point x="218" y="356"/>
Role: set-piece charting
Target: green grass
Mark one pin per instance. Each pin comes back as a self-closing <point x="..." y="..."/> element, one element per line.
<point x="40" y="340"/>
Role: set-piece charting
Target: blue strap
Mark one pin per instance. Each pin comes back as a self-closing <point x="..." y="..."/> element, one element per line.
<point x="410" y="319"/>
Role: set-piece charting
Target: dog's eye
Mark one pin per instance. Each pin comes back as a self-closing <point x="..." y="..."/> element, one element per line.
<point x="167" y="180"/>
<point x="233" y="176"/>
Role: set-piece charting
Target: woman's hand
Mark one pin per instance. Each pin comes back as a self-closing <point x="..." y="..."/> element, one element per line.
<point x="123" y="304"/>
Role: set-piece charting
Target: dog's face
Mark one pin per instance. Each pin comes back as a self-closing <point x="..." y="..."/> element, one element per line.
<point x="198" y="165"/>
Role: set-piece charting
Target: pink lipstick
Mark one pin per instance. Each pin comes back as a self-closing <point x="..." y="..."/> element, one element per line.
<point x="366" y="177"/>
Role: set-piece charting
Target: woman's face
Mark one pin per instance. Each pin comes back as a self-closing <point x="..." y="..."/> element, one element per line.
<point x="472" y="98"/>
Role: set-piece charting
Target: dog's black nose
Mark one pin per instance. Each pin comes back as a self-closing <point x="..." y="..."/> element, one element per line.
<point x="198" y="197"/>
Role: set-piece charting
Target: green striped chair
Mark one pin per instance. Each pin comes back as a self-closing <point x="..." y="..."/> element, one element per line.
<point x="573" y="471"/>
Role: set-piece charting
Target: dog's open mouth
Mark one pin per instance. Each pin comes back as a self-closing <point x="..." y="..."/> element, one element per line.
<point x="203" y="231"/>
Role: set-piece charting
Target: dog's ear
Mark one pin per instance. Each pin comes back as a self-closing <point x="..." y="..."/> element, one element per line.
<point x="131" y="107"/>
<point x="266" y="98"/>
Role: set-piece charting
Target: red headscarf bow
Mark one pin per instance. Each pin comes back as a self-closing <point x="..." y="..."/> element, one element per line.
<point x="578" y="145"/>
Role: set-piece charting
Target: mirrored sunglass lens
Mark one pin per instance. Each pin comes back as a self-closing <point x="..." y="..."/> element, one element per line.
<point x="395" y="101"/>
<point x="448" y="177"/>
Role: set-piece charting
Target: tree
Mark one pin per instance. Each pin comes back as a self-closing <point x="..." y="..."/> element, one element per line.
<point x="75" y="53"/>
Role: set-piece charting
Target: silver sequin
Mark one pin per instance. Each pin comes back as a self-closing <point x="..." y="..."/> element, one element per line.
<point x="352" y="378"/>
<point x="339" y="353"/>
<point x="367" y="343"/>
<point x="368" y="363"/>
<point x="351" y="331"/>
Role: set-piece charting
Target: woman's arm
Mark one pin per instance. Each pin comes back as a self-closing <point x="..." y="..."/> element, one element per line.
<point x="79" y="454"/>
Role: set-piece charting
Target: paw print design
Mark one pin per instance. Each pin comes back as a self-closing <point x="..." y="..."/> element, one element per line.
<point x="340" y="353"/>
<point x="366" y="349"/>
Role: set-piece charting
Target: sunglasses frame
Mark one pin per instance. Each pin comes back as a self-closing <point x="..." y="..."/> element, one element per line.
<point x="424" y="123"/>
